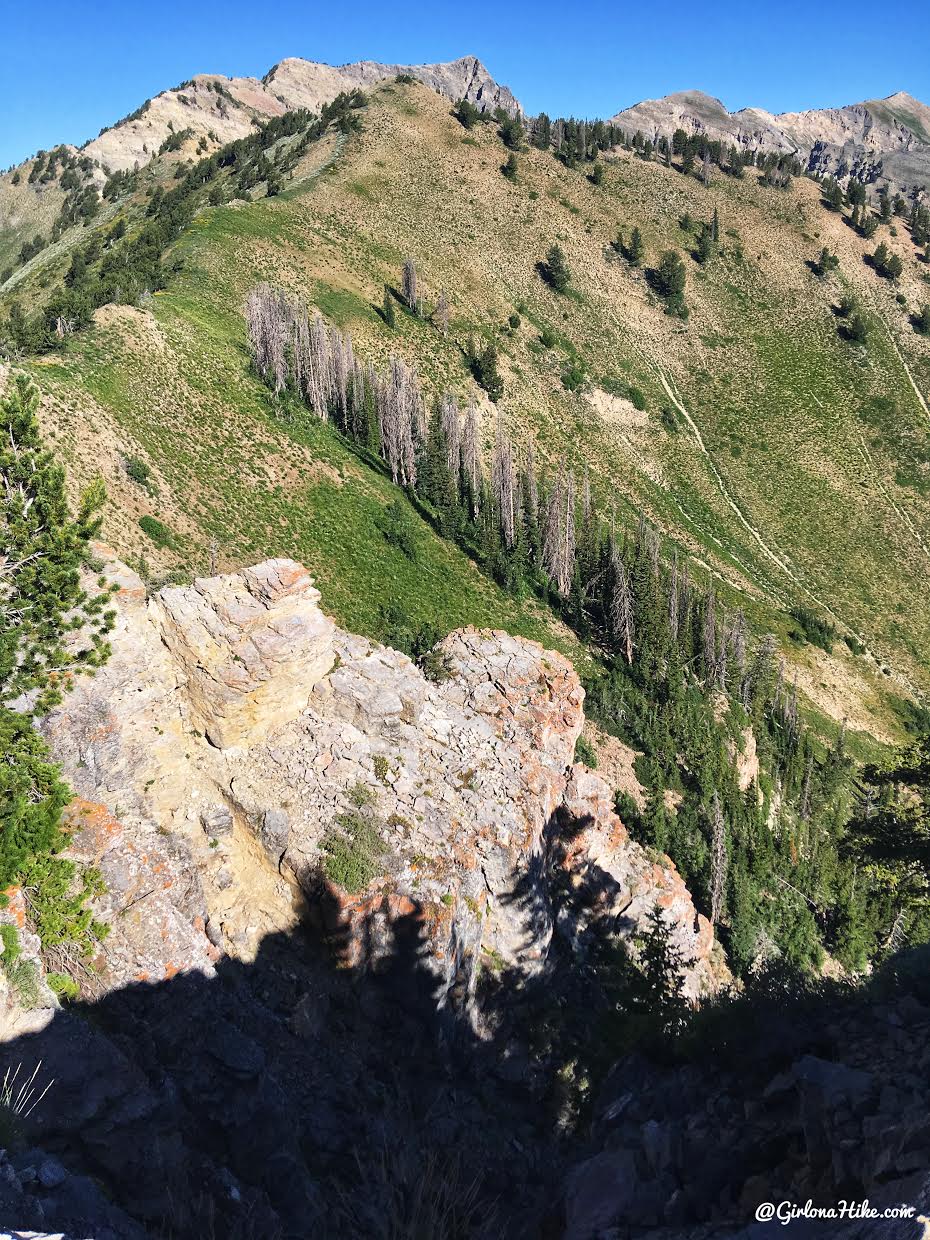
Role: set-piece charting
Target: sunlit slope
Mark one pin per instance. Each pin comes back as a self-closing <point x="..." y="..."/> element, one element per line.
<point x="789" y="462"/>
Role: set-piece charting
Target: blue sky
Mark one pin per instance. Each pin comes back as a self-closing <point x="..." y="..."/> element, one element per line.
<point x="66" y="69"/>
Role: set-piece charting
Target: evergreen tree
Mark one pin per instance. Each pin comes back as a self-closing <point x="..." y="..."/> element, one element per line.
<point x="705" y="246"/>
<point x="633" y="252"/>
<point x="825" y="263"/>
<point x="555" y="269"/>
<point x="511" y="132"/>
<point x="669" y="282"/>
<point x="466" y="114"/>
<point x="886" y="263"/>
<point x="50" y="628"/>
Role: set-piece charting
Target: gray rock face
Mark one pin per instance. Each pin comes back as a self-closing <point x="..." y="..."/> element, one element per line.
<point x="886" y="141"/>
<point x="234" y="729"/>
<point x="817" y="1104"/>
<point x="292" y="83"/>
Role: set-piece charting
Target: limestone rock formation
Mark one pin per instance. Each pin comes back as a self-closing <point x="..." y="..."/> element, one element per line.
<point x="250" y="648"/>
<point x="230" y="107"/>
<point x="424" y="827"/>
<point x="881" y="140"/>
<point x="237" y="739"/>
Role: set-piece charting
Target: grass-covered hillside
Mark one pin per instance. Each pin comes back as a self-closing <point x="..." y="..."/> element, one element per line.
<point x="791" y="463"/>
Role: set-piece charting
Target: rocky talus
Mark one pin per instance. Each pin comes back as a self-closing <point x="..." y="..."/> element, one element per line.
<point x="807" y="1103"/>
<point x="310" y="851"/>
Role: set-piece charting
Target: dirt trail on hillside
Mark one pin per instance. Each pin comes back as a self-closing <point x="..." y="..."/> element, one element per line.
<point x="907" y="370"/>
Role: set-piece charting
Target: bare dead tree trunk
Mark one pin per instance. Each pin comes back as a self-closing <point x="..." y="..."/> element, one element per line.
<point x="451" y="426"/>
<point x="621" y="604"/>
<point x="410" y="285"/>
<point x="442" y="314"/>
<point x="503" y="484"/>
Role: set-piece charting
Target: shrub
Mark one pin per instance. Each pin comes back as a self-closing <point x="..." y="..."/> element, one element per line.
<point x="159" y="533"/>
<point x="361" y="796"/>
<point x="585" y="752"/>
<point x="138" y="471"/>
<point x="435" y="666"/>
<point x="574" y="377"/>
<point x="62" y="985"/>
<point x="354" y="852"/>
<point x="22" y="975"/>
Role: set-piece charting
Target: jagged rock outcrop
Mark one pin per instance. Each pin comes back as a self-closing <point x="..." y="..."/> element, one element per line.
<point x="230" y="107"/>
<point x="886" y="141"/>
<point x="236" y="731"/>
<point x="222" y="1049"/>
<point x="250" y="648"/>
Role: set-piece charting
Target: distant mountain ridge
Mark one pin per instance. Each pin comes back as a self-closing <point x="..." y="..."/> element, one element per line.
<point x="877" y="140"/>
<point x="218" y="107"/>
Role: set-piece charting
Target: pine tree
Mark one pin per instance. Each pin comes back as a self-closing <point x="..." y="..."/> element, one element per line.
<point x="661" y="966"/>
<point x="669" y="282"/>
<point x="633" y="253"/>
<point x="556" y="269"/>
<point x="43" y="607"/>
<point x="51" y="629"/>
<point x="718" y="859"/>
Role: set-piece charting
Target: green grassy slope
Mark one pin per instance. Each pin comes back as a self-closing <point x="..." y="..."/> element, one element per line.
<point x="790" y="464"/>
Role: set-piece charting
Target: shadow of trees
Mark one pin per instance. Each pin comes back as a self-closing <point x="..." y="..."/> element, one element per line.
<point x="350" y="1085"/>
<point x="299" y="1094"/>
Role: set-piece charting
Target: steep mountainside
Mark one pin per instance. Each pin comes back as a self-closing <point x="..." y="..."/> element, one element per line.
<point x="344" y="921"/>
<point x="881" y="141"/>
<point x="791" y="463"/>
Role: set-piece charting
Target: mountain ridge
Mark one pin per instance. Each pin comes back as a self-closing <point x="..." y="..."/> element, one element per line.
<point x="877" y="140"/>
